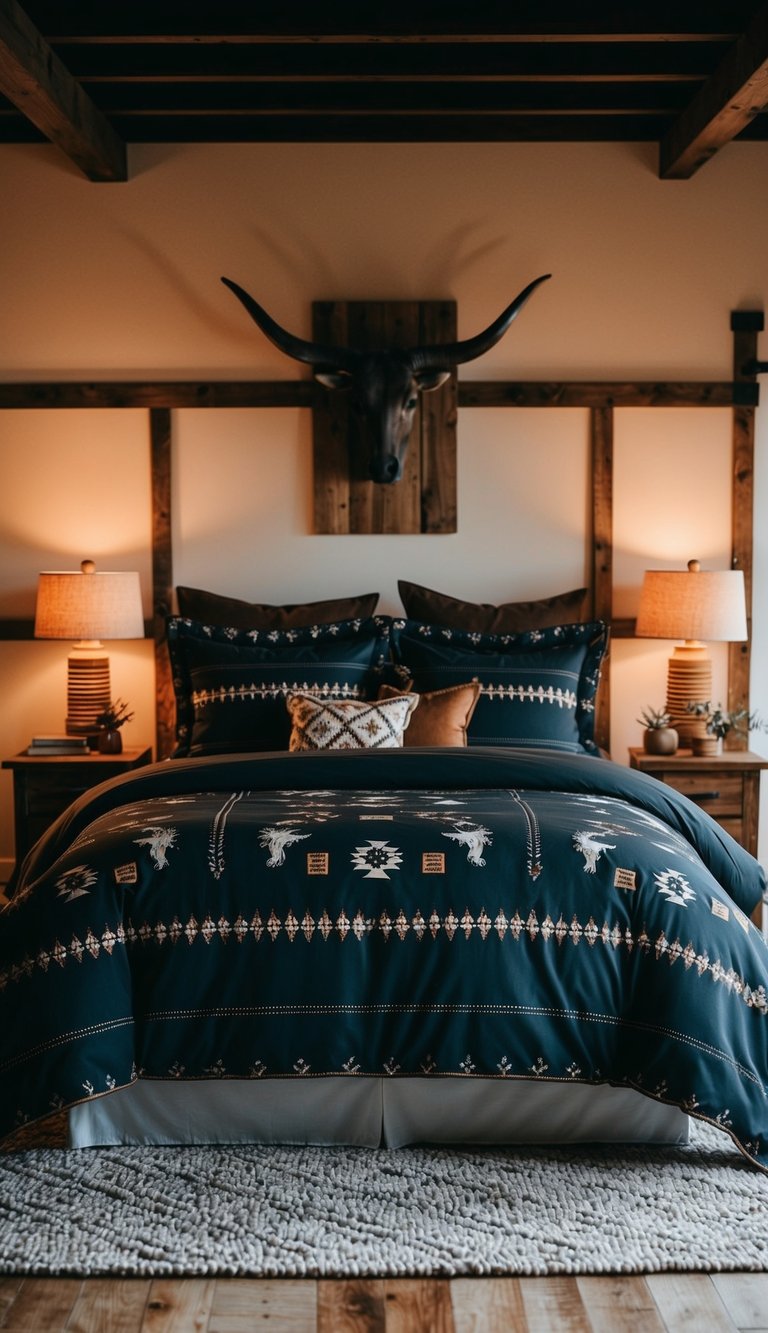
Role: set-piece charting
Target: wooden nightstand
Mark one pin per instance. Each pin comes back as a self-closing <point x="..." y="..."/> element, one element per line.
<point x="727" y="785"/>
<point x="43" y="786"/>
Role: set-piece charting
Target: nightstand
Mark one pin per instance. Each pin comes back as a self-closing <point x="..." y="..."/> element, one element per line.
<point x="726" y="785"/>
<point x="43" y="786"/>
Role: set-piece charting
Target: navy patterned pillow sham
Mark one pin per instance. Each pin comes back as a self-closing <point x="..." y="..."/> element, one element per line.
<point x="231" y="685"/>
<point x="536" y="689"/>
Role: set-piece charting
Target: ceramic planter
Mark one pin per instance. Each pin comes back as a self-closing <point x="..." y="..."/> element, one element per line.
<point x="660" y="740"/>
<point x="707" y="745"/>
<point x="110" y="742"/>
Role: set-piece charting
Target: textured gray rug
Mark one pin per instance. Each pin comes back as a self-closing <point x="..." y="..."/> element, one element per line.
<point x="413" y="1211"/>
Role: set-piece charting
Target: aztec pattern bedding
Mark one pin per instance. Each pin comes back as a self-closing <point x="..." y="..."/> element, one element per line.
<point x="483" y="912"/>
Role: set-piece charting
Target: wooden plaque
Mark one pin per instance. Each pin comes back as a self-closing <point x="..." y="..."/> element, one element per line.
<point x="424" y="500"/>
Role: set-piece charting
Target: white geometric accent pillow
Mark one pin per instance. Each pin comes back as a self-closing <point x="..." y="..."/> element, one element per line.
<point x="348" y="724"/>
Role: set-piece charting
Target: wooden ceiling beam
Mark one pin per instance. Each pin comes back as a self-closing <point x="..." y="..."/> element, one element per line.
<point x="34" y="79"/>
<point x="314" y="36"/>
<point x="734" y="94"/>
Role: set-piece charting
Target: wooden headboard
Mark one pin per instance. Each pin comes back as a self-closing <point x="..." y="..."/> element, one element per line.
<point x="740" y="393"/>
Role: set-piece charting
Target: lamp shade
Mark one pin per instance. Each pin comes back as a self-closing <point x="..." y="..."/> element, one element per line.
<point x="692" y="604"/>
<point x="88" y="605"/>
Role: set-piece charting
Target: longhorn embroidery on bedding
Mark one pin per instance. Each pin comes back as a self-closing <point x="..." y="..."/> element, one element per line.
<point x="533" y="836"/>
<point x="216" y="860"/>
<point x="474" y="837"/>
<point x="159" y="840"/>
<point x="277" y="840"/>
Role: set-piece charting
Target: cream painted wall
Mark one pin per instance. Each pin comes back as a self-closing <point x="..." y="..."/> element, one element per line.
<point x="122" y="281"/>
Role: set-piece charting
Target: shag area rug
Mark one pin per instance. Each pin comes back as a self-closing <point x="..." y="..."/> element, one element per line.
<point x="333" y="1212"/>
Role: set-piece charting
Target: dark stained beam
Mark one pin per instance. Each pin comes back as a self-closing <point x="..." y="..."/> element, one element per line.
<point x="304" y="21"/>
<point x="302" y="393"/>
<point x="734" y="94"/>
<point x="36" y="81"/>
<point x="158" y="62"/>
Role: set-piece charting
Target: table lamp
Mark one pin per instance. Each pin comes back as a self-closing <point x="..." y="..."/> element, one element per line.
<point x="695" y="605"/>
<point x="88" y="606"/>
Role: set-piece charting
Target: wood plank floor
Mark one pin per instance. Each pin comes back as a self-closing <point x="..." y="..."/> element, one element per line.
<point x="677" y="1302"/>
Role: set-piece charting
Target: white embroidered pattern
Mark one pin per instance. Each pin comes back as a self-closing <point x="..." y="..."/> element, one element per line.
<point x="159" y="839"/>
<point x="591" y="849"/>
<point x="673" y="885"/>
<point x="376" y="858"/>
<point x="277" y="840"/>
<point x="474" y="837"/>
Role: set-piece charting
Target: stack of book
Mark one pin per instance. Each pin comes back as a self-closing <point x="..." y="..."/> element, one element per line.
<point x="51" y="745"/>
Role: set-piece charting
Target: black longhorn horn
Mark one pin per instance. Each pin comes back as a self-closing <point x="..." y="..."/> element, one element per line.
<point x="313" y="354"/>
<point x="444" y="356"/>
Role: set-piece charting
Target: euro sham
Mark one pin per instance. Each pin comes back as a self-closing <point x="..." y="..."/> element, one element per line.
<point x="231" y="685"/>
<point x="536" y="689"/>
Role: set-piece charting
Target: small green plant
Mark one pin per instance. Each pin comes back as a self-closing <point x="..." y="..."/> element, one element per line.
<point x="718" y="721"/>
<point x="654" y="719"/>
<point x="114" y="716"/>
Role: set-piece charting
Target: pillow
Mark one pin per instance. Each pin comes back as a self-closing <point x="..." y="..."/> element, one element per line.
<point x="346" y="724"/>
<point x="442" y="716"/>
<point x="510" y="618"/>
<point x="536" y="689"/>
<point x="231" y="684"/>
<point x="213" y="609"/>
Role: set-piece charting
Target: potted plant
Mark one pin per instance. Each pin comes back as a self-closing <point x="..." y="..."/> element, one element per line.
<point x="718" y="721"/>
<point x="109" y="722"/>
<point x="659" y="736"/>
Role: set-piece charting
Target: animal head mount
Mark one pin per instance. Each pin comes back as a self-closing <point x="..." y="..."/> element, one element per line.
<point x="384" y="384"/>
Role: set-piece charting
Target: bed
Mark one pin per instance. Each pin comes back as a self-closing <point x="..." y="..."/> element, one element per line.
<point x="325" y="920"/>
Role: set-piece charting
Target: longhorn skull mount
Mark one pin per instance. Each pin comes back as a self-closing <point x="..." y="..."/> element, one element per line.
<point x="384" y="384"/>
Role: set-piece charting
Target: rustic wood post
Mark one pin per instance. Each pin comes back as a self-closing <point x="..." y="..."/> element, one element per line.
<point x="162" y="573"/>
<point x="745" y="324"/>
<point x="601" y="429"/>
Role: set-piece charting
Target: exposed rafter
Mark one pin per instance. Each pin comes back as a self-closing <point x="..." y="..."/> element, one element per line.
<point x="33" y="77"/>
<point x="735" y="93"/>
<point x="688" y="76"/>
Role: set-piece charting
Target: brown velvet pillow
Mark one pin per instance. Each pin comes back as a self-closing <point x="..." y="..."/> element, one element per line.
<point x="213" y="609"/>
<point x="442" y="716"/>
<point x="436" y="608"/>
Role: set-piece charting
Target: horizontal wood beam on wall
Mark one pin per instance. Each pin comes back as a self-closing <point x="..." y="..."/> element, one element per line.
<point x="540" y="393"/>
<point x="160" y="393"/>
<point x="21" y="628"/>
<point x="302" y="393"/>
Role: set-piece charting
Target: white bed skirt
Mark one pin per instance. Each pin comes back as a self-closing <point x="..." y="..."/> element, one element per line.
<point x="371" y="1112"/>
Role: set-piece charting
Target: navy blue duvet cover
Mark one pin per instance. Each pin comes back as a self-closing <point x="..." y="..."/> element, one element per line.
<point x="495" y="913"/>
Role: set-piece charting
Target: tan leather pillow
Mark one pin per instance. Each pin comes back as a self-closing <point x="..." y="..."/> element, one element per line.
<point x="213" y="609"/>
<point x="442" y="716"/>
<point x="436" y="608"/>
